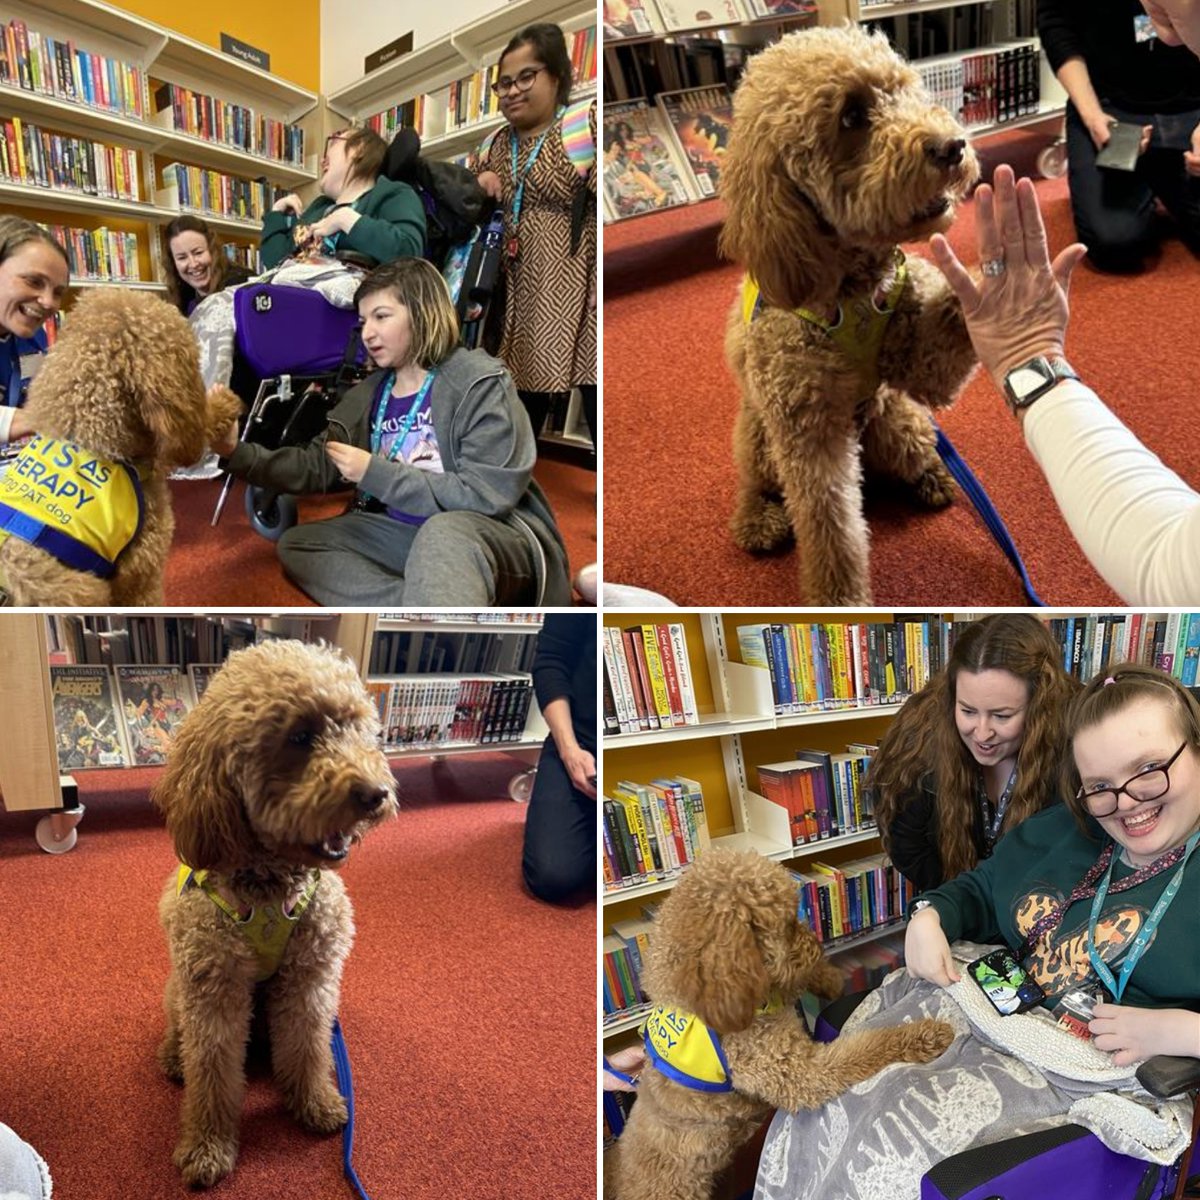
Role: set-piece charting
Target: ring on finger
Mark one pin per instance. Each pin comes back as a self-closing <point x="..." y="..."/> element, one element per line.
<point x="992" y="267"/>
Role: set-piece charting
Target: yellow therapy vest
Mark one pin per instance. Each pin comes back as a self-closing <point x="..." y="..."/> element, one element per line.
<point x="686" y="1050"/>
<point x="266" y="928"/>
<point x="858" y="327"/>
<point x="81" y="508"/>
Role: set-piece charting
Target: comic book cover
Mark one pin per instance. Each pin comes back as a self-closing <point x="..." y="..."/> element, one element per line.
<point x="630" y="18"/>
<point x="700" y="119"/>
<point x="781" y="8"/>
<point x="202" y="674"/>
<point x="154" y="699"/>
<point x="86" y="725"/>
<point x="689" y="14"/>
<point x="641" y="171"/>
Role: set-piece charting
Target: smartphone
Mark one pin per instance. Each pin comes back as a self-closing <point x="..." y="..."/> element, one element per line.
<point x="1005" y="982"/>
<point x="1121" y="151"/>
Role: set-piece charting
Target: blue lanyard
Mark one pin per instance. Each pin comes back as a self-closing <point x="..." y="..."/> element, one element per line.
<point x="1117" y="987"/>
<point x="381" y="409"/>
<point x="12" y="396"/>
<point x="520" y="176"/>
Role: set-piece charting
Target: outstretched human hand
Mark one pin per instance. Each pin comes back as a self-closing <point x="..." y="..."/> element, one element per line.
<point x="1021" y="310"/>
<point x="1135" y="1034"/>
<point x="926" y="950"/>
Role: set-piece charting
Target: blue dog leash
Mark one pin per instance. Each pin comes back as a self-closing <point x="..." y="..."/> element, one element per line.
<point x="341" y="1064"/>
<point x="974" y="491"/>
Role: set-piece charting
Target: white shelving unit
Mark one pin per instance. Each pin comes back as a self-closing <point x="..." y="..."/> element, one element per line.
<point x="102" y="29"/>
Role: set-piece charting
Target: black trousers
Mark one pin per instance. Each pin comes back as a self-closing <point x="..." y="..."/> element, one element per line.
<point x="1114" y="210"/>
<point x="559" y="859"/>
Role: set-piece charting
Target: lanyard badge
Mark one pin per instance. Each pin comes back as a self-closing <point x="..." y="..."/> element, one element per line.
<point x="513" y="245"/>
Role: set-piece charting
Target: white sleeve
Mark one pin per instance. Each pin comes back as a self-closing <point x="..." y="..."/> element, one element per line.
<point x="6" y="420"/>
<point x="1136" y="520"/>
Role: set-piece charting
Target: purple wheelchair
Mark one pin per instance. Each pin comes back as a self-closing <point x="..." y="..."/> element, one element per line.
<point x="1068" y="1162"/>
<point x="296" y="353"/>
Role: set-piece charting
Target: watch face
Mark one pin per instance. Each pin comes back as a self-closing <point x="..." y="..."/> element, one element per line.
<point x="1027" y="379"/>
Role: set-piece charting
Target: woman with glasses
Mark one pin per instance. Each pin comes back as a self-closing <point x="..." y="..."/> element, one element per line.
<point x="1097" y="898"/>
<point x="548" y="339"/>
<point x="975" y="752"/>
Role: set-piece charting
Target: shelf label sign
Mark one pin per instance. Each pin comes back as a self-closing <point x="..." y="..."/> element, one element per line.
<point x="381" y="57"/>
<point x="251" y="54"/>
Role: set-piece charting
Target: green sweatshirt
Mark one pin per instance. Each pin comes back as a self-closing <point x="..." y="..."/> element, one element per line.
<point x="1035" y="866"/>
<point x="391" y="225"/>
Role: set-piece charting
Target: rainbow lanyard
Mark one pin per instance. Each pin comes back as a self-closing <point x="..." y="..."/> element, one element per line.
<point x="381" y="406"/>
<point x="519" y="177"/>
<point x="1117" y="986"/>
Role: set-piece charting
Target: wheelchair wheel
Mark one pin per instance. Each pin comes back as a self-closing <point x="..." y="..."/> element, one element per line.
<point x="1052" y="162"/>
<point x="270" y="514"/>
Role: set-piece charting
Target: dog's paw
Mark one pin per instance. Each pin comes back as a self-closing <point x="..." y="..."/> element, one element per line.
<point x="169" y="1059"/>
<point x="321" y="1111"/>
<point x="925" y="1040"/>
<point x="826" y="981"/>
<point x="935" y="487"/>
<point x="203" y="1161"/>
<point x="761" y="526"/>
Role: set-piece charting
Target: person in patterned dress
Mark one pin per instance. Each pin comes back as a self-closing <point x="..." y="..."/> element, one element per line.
<point x="548" y="340"/>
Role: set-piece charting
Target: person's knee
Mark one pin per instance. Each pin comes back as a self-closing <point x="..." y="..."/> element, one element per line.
<point x="557" y="880"/>
<point x="448" y="553"/>
<point x="1116" y="239"/>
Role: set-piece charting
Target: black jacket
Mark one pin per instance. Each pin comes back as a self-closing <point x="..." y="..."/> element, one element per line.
<point x="1141" y="77"/>
<point x="565" y="666"/>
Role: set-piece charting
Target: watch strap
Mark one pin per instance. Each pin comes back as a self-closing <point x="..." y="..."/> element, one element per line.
<point x="1031" y="380"/>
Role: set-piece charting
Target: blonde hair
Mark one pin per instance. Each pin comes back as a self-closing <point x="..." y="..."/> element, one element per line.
<point x="418" y="285"/>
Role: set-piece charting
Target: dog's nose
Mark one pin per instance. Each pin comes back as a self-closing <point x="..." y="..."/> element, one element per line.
<point x="946" y="154"/>
<point x="369" y="798"/>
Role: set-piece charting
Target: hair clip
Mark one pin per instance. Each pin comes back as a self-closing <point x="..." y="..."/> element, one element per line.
<point x="1110" y="679"/>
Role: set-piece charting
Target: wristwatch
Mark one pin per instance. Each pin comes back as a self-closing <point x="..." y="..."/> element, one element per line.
<point x="916" y="906"/>
<point x="1033" y="379"/>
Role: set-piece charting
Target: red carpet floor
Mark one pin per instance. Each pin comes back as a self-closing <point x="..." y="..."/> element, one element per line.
<point x="670" y="402"/>
<point x="468" y="1009"/>
<point x="233" y="565"/>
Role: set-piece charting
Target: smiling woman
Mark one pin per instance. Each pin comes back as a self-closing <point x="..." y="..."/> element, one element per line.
<point x="196" y="265"/>
<point x="34" y="274"/>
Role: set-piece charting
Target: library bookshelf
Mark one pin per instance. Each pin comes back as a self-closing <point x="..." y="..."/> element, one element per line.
<point x="29" y="774"/>
<point x="158" y="55"/>
<point x="738" y="728"/>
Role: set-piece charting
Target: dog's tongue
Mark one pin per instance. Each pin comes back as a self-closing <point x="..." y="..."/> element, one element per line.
<point x="336" y="845"/>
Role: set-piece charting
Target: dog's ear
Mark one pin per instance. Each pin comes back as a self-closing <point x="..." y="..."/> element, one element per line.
<point x="200" y="796"/>
<point x="170" y="393"/>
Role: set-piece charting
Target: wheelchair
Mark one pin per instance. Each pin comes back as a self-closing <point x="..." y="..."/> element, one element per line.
<point x="1067" y="1162"/>
<point x="296" y="354"/>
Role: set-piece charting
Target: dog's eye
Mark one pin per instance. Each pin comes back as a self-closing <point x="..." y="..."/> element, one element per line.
<point x="854" y="115"/>
<point x="302" y="738"/>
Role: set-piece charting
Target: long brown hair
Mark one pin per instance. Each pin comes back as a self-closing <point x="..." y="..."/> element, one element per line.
<point x="924" y="737"/>
<point x="186" y="223"/>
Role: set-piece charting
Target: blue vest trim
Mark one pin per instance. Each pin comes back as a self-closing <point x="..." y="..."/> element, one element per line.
<point x="53" y="541"/>
<point x="690" y="1081"/>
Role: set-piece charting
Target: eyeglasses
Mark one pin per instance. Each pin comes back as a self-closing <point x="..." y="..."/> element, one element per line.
<point x="522" y="82"/>
<point x="334" y="137"/>
<point x="1145" y="785"/>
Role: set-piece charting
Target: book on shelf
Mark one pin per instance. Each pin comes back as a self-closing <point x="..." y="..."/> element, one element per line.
<point x="97" y="253"/>
<point x="153" y="700"/>
<point x="780" y="8"/>
<point x="465" y="652"/>
<point x="479" y="618"/>
<point x="201" y="675"/>
<point x="183" y="110"/>
<point x="204" y="190"/>
<point x="700" y="120"/>
<point x="427" y="711"/>
<point x="650" y="677"/>
<point x="652" y="832"/>
<point x="852" y="898"/>
<point x="87" y="724"/>
<point x="631" y="18"/>
<point x="35" y="156"/>
<point x="641" y="171"/>
<point x="693" y="14"/>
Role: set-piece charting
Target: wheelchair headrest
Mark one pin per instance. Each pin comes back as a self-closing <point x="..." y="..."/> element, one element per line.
<point x="401" y="160"/>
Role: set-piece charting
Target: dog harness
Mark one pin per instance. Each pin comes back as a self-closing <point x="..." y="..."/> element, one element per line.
<point x="686" y="1050"/>
<point x="858" y="326"/>
<point x="267" y="928"/>
<point x="75" y="505"/>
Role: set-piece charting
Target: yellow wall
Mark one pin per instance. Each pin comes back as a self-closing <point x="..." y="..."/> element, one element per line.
<point x="289" y="32"/>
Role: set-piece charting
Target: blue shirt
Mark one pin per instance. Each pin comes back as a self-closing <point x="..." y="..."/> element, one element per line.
<point x="14" y="355"/>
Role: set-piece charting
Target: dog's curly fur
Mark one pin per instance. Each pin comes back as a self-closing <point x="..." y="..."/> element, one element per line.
<point x="725" y="939"/>
<point x="837" y="156"/>
<point x="280" y="757"/>
<point x="124" y="381"/>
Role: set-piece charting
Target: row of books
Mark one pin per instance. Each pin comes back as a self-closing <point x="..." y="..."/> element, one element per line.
<point x="121" y="716"/>
<point x="818" y="667"/>
<point x="841" y="901"/>
<point x="661" y="156"/>
<point x="647" y="679"/>
<point x="988" y="86"/>
<point x="182" y="640"/>
<point x="244" y="254"/>
<point x="185" y="111"/>
<point x="30" y="154"/>
<point x="53" y="67"/>
<point x="398" y="652"/>
<point x="822" y="792"/>
<point x="109" y="254"/>
<point x="198" y="188"/>
<point x="1170" y="642"/>
<point x="486" y="617"/>
<point x="652" y="831"/>
<point x="469" y="100"/>
<point x="426" y="711"/>
<point x="642" y="18"/>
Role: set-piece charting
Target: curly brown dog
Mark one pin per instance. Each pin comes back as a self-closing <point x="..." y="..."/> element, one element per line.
<point x="118" y="403"/>
<point x="837" y="156"/>
<point x="272" y="777"/>
<point x="729" y="950"/>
